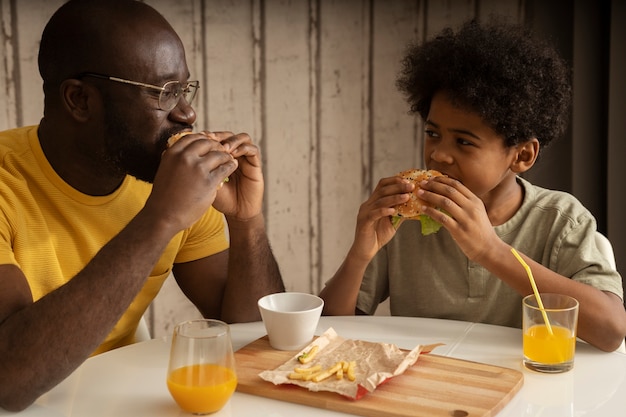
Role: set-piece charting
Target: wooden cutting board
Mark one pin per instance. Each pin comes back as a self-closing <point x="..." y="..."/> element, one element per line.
<point x="436" y="386"/>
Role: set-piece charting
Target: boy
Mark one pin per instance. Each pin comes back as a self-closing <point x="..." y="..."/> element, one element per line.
<point x="490" y="97"/>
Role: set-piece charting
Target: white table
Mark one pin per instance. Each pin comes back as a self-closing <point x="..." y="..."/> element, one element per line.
<point x="131" y="381"/>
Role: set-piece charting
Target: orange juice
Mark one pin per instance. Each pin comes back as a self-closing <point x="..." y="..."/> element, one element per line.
<point x="203" y="388"/>
<point x="542" y="347"/>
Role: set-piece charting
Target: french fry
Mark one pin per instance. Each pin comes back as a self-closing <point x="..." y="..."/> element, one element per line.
<point x="350" y="371"/>
<point x="307" y="357"/>
<point x="298" y="375"/>
<point x="315" y="373"/>
<point x="308" y="370"/>
<point x="320" y="376"/>
<point x="306" y="376"/>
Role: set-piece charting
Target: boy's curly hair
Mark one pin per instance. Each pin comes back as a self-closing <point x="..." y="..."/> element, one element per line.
<point x="519" y="84"/>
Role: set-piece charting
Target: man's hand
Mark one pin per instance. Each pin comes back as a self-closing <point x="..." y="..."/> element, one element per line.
<point x="189" y="177"/>
<point x="242" y="195"/>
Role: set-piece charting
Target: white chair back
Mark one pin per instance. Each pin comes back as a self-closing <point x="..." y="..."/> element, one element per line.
<point x="606" y="248"/>
<point x="143" y="332"/>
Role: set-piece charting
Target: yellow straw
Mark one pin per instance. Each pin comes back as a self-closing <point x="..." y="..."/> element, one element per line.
<point x="535" y="290"/>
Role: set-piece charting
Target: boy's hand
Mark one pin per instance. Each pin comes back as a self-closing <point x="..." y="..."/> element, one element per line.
<point x="374" y="228"/>
<point x="466" y="217"/>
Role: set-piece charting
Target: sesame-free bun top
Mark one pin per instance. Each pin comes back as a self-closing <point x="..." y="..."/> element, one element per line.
<point x="175" y="137"/>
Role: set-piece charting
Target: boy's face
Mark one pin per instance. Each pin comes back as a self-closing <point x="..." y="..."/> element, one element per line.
<point x="460" y="144"/>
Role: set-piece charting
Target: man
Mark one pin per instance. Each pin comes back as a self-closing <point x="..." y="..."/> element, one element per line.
<point x="95" y="209"/>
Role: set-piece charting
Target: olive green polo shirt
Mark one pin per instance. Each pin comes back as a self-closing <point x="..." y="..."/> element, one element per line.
<point x="429" y="276"/>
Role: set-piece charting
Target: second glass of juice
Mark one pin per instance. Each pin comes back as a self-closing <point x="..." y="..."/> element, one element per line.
<point x="201" y="375"/>
<point x="549" y="334"/>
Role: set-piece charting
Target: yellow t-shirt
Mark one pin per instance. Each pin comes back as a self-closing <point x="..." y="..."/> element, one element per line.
<point x="51" y="231"/>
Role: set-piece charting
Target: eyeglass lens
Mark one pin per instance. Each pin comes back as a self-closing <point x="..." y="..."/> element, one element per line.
<point x="173" y="90"/>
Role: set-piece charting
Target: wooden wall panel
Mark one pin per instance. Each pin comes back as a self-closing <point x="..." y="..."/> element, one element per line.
<point x="513" y="9"/>
<point x="8" y="105"/>
<point x="448" y="13"/>
<point x="290" y="150"/>
<point x="31" y="17"/>
<point x="231" y="63"/>
<point x="396" y="135"/>
<point x="343" y="126"/>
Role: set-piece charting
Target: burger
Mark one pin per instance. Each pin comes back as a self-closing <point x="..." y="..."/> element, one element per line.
<point x="411" y="209"/>
<point x="176" y="137"/>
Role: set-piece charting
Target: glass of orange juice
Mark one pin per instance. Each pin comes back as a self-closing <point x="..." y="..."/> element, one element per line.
<point x="549" y="334"/>
<point x="201" y="374"/>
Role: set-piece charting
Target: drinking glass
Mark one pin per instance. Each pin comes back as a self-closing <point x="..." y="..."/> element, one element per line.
<point x="201" y="375"/>
<point x="549" y="334"/>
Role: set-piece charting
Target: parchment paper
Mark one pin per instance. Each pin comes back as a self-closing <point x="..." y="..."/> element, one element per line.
<point x="375" y="363"/>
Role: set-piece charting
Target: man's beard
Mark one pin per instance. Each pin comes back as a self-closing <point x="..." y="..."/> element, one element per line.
<point x="124" y="151"/>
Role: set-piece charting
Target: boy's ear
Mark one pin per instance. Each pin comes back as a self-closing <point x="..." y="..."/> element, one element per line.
<point x="526" y="155"/>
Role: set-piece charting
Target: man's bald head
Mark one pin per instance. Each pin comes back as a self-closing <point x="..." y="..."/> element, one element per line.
<point x="100" y="36"/>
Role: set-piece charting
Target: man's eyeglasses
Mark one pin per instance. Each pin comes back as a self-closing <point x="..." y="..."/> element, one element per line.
<point x="169" y="94"/>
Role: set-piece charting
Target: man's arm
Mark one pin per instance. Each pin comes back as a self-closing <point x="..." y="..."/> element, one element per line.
<point x="41" y="343"/>
<point x="227" y="285"/>
<point x="251" y="270"/>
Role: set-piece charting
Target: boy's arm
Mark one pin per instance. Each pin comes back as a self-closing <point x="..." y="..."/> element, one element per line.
<point x="373" y="230"/>
<point x="601" y="315"/>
